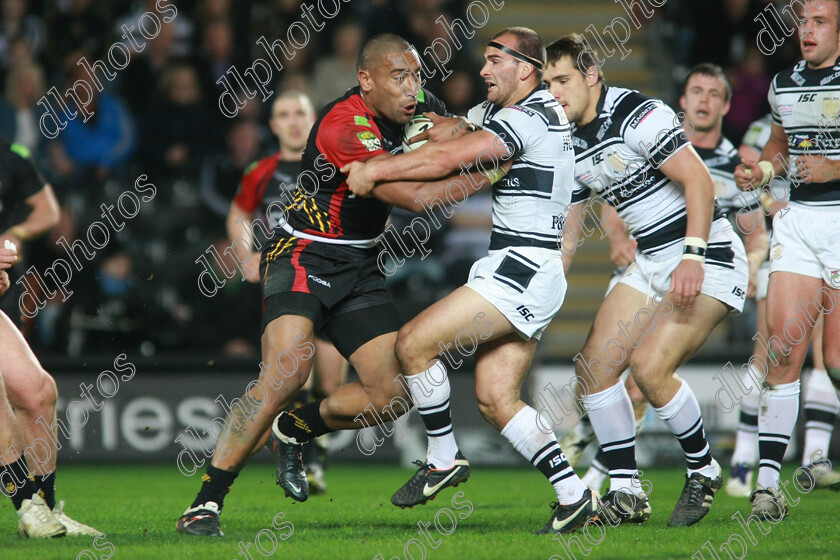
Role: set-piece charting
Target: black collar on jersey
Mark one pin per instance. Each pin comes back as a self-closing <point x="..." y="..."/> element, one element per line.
<point x="516" y="54"/>
<point x="602" y="98"/>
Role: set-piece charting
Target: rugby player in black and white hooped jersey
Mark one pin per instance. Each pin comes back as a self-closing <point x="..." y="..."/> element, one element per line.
<point x="633" y="152"/>
<point x="804" y="251"/>
<point x="516" y="290"/>
<point x="705" y="99"/>
<point x="820" y="402"/>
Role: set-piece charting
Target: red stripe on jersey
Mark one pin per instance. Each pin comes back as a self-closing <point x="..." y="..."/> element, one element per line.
<point x="301" y="284"/>
<point x="339" y="139"/>
<point x="252" y="186"/>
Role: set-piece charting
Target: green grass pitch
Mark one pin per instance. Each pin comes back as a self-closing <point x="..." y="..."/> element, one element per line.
<point x="136" y="507"/>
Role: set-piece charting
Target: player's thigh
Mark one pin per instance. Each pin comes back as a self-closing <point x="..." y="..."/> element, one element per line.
<point x="609" y="344"/>
<point x="817" y="336"/>
<point x="26" y="381"/>
<point x="831" y="328"/>
<point x="376" y="365"/>
<point x="674" y="337"/>
<point x="287" y="351"/>
<point x="330" y="367"/>
<point x="791" y="312"/>
<point x="462" y="313"/>
<point x="501" y="367"/>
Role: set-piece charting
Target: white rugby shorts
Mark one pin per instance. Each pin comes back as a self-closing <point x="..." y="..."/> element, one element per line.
<point x="526" y="284"/>
<point x="807" y="242"/>
<point x="726" y="271"/>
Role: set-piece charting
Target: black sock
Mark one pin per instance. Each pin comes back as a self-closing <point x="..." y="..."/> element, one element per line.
<point x="310" y="452"/>
<point x="215" y="485"/>
<point x="300" y="399"/>
<point x="11" y="476"/>
<point x="304" y="423"/>
<point x="46" y="487"/>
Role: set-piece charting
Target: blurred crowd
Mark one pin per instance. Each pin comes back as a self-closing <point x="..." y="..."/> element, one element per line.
<point x="159" y="117"/>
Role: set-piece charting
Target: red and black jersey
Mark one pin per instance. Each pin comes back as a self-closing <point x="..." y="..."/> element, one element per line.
<point x="345" y="131"/>
<point x="267" y="186"/>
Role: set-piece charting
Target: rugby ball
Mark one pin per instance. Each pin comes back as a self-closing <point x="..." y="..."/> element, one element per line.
<point x="415" y="126"/>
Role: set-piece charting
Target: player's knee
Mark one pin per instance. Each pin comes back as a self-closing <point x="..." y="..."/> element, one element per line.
<point x="405" y="348"/>
<point x="489" y="405"/>
<point x="645" y="371"/>
<point x="40" y="398"/>
<point x="636" y="396"/>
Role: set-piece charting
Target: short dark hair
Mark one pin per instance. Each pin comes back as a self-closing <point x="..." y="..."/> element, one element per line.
<point x="578" y="49"/>
<point x="711" y="70"/>
<point x="528" y="42"/>
<point x="378" y="45"/>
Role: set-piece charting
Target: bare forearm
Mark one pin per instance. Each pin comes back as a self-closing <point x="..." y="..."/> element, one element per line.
<point x="775" y="151"/>
<point x="428" y="163"/>
<point x="699" y="202"/>
<point x="572" y="228"/>
<point x="237" y="226"/>
<point x="450" y="190"/>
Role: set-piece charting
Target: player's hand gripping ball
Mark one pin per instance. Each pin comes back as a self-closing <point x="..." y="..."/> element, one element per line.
<point x="415" y="126"/>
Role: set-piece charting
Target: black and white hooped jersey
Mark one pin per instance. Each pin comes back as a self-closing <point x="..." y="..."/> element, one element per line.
<point x="721" y="163"/>
<point x="530" y="203"/>
<point x="758" y="134"/>
<point x="619" y="155"/>
<point x="806" y="103"/>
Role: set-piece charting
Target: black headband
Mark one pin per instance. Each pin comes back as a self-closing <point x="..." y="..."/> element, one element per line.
<point x="515" y="54"/>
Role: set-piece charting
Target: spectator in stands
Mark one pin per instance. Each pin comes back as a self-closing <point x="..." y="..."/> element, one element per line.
<point x="220" y="175"/>
<point x="146" y="68"/>
<point x="96" y="148"/>
<point x="336" y="73"/>
<point x="19" y="113"/>
<point x="16" y="23"/>
<point x="178" y="129"/>
<point x="182" y="31"/>
<point x="77" y="24"/>
<point x="750" y="82"/>
<point x="217" y="53"/>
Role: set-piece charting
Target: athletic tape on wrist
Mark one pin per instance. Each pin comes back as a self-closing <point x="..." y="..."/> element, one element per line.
<point x="696" y="242"/>
<point x="495" y="174"/>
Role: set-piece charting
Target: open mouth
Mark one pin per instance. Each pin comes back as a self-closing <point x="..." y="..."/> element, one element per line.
<point x="491" y="87"/>
<point x="409" y="109"/>
<point x="702" y="113"/>
<point x="808" y="44"/>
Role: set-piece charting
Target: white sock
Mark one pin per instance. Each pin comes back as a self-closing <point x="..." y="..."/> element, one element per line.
<point x="821" y="407"/>
<point x="746" y="438"/>
<point x="430" y="393"/>
<point x="611" y="415"/>
<point x="776" y="421"/>
<point x="543" y="451"/>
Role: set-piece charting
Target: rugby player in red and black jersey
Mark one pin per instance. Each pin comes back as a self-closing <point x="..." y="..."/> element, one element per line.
<point x="266" y="186"/>
<point x="320" y="271"/>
